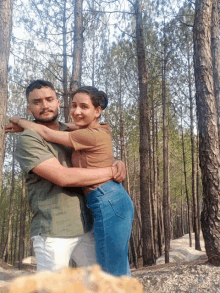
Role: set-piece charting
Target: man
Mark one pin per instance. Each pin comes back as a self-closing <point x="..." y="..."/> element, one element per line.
<point x="60" y="216"/>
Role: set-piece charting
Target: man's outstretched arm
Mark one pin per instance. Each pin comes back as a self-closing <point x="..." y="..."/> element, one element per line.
<point x="53" y="171"/>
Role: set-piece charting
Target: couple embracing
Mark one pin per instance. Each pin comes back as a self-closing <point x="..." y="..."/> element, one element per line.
<point x="92" y="225"/>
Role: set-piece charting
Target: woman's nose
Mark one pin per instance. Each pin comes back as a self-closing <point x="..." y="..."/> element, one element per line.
<point x="77" y="110"/>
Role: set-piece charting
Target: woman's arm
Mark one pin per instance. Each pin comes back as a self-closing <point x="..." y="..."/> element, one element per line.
<point x="71" y="127"/>
<point x="48" y="134"/>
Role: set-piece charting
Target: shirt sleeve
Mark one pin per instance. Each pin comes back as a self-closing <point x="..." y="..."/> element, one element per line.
<point x="31" y="150"/>
<point x="83" y="138"/>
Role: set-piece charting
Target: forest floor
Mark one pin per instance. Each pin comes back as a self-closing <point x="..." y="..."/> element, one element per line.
<point x="188" y="271"/>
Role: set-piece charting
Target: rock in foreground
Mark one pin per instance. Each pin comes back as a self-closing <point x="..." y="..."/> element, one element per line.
<point x="91" y="279"/>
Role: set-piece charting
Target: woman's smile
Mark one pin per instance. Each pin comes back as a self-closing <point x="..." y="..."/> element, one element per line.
<point x="83" y="112"/>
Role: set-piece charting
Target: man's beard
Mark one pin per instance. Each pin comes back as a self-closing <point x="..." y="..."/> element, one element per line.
<point x="46" y="121"/>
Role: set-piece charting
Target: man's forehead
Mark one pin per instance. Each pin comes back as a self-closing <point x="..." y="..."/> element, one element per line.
<point x="42" y="93"/>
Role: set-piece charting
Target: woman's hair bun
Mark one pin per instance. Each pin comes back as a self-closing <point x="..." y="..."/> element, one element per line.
<point x="103" y="99"/>
<point x="99" y="98"/>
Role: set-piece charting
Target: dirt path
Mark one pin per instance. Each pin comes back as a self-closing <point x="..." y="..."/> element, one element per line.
<point x="184" y="264"/>
<point x="180" y="250"/>
<point x="8" y="273"/>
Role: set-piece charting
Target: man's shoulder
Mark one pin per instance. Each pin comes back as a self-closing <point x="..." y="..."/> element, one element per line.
<point x="28" y="137"/>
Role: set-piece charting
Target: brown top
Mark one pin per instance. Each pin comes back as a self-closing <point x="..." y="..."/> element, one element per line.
<point x="93" y="149"/>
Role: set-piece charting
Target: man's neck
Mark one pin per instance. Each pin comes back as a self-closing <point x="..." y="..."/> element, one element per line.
<point x="53" y="125"/>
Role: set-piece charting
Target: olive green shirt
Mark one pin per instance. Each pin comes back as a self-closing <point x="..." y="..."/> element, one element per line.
<point x="57" y="211"/>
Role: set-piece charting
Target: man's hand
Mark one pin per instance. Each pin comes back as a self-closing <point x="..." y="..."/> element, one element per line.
<point x="13" y="127"/>
<point x="121" y="171"/>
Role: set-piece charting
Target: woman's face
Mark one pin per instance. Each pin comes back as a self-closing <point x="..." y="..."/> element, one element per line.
<point x="84" y="114"/>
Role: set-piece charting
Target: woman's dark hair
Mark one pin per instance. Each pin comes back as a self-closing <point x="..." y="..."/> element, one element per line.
<point x="98" y="98"/>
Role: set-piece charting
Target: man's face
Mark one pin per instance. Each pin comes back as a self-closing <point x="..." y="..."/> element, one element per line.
<point x="43" y="105"/>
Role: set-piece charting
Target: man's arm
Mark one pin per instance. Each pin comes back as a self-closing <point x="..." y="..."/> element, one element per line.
<point x="121" y="173"/>
<point x="53" y="171"/>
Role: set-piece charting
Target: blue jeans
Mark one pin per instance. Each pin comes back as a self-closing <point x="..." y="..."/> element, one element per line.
<point x="113" y="212"/>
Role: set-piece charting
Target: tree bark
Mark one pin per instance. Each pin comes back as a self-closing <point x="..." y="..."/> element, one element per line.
<point x="215" y="48"/>
<point x="78" y="47"/>
<point x="154" y="185"/>
<point x="5" y="36"/>
<point x="166" y="207"/>
<point x="186" y="188"/>
<point x="22" y="225"/>
<point x="11" y="206"/>
<point x="65" y="91"/>
<point x="147" y="232"/>
<point x="208" y="128"/>
<point x="194" y="195"/>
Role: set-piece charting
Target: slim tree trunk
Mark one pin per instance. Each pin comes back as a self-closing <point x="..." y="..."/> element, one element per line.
<point x="209" y="155"/>
<point x="11" y="207"/>
<point x="148" y="255"/>
<point x="154" y="186"/>
<point x="215" y="48"/>
<point x="197" y="181"/>
<point x="16" y="239"/>
<point x="5" y="36"/>
<point x="166" y="209"/>
<point x="78" y="47"/>
<point x="22" y="225"/>
<point x="195" y="209"/>
<point x="65" y="91"/>
<point x="186" y="188"/>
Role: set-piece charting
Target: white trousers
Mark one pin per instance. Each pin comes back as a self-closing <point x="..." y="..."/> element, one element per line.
<point x="55" y="253"/>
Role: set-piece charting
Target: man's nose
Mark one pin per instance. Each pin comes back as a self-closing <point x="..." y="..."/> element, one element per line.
<point x="45" y="104"/>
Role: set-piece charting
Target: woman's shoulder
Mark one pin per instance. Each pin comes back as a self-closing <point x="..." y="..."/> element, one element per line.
<point x="103" y="129"/>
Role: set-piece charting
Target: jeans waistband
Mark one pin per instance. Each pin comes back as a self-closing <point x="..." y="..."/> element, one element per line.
<point x="104" y="188"/>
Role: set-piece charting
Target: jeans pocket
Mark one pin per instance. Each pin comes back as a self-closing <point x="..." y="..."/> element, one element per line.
<point x="119" y="207"/>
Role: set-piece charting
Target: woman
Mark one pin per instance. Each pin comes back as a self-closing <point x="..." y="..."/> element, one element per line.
<point x="111" y="205"/>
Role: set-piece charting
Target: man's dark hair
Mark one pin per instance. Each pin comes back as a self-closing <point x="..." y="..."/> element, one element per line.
<point x="38" y="84"/>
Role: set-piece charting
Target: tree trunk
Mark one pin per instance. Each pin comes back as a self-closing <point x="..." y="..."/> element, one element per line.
<point x="22" y="225"/>
<point x="5" y="36"/>
<point x="65" y="91"/>
<point x="16" y="239"/>
<point x="122" y="140"/>
<point x="166" y="209"/>
<point x="78" y="47"/>
<point x="215" y="47"/>
<point x="195" y="209"/>
<point x="148" y="255"/>
<point x="197" y="181"/>
<point x="155" y="185"/>
<point x="186" y="188"/>
<point x="11" y="207"/>
<point x="208" y="128"/>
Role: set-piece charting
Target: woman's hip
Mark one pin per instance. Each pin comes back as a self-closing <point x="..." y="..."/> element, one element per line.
<point x="111" y="199"/>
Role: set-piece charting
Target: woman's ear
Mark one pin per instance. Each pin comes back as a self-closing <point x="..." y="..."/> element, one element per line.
<point x="98" y="111"/>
